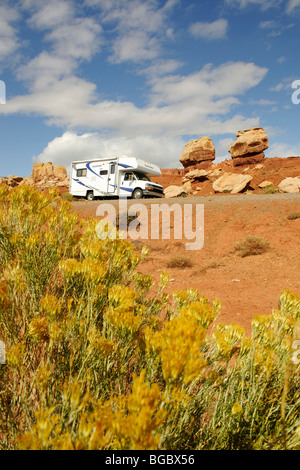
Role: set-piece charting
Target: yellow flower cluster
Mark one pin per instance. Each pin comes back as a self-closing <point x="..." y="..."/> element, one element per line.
<point x="51" y="305"/>
<point x="40" y="436"/>
<point x="130" y="422"/>
<point x="124" y="315"/>
<point x="39" y="329"/>
<point x="15" y="354"/>
<point x="237" y="408"/>
<point x="34" y="240"/>
<point x="226" y="338"/>
<point x="100" y="343"/>
<point x="178" y="345"/>
<point x="139" y="427"/>
<point x="202" y="311"/>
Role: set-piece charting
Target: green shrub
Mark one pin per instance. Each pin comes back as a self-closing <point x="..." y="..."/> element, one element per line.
<point x="271" y="189"/>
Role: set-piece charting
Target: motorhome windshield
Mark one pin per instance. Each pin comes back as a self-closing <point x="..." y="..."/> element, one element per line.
<point x="141" y="176"/>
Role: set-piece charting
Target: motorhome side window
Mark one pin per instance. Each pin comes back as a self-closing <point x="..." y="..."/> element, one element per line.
<point x="81" y="172"/>
<point x="128" y="177"/>
<point x="103" y="172"/>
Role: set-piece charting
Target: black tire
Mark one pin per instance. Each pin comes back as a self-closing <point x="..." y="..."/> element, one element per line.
<point x="90" y="196"/>
<point x="137" y="194"/>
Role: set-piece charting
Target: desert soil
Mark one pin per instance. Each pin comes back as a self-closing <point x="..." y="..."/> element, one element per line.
<point x="245" y="286"/>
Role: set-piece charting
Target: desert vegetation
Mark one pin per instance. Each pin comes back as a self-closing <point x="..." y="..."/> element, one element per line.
<point x="179" y="262"/>
<point x="96" y="360"/>
<point x="294" y="216"/>
<point x="251" y="246"/>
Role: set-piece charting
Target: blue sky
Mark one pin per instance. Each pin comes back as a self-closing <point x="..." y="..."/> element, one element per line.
<point x="143" y="77"/>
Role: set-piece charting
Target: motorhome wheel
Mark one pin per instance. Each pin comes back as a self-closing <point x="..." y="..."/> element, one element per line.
<point x="90" y="196"/>
<point x="137" y="194"/>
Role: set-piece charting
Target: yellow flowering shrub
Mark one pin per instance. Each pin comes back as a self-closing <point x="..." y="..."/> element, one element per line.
<point x="97" y="357"/>
<point x="178" y="345"/>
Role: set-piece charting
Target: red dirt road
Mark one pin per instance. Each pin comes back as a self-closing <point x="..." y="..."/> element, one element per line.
<point x="245" y="286"/>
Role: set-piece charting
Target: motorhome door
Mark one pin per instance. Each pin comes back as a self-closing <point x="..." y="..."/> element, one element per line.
<point x="111" y="178"/>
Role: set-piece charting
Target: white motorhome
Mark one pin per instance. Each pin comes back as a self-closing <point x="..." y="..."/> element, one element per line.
<point x="118" y="176"/>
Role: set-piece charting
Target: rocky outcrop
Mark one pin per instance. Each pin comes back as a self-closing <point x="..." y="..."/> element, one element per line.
<point x="12" y="180"/>
<point x="197" y="152"/>
<point x="231" y="183"/>
<point x="215" y="173"/>
<point x="290" y="185"/>
<point x="195" y="175"/>
<point x="265" y="184"/>
<point x="43" y="176"/>
<point x="249" y="146"/>
<point x="172" y="171"/>
<point x="48" y="175"/>
<point x="175" y="191"/>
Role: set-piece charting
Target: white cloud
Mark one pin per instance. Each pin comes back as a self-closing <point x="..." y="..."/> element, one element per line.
<point x="232" y="78"/>
<point x="136" y="46"/>
<point x="179" y="105"/>
<point x="70" y="146"/>
<point x="222" y="148"/>
<point x="71" y="39"/>
<point x="160" y="67"/>
<point x="201" y="103"/>
<point x="80" y="38"/>
<point x="50" y="14"/>
<point x="9" y="41"/>
<point x="284" y="84"/>
<point x="43" y="70"/>
<point x="292" y="5"/>
<point x="135" y="14"/>
<point x="141" y="28"/>
<point x="279" y="149"/>
<point x="281" y="59"/>
<point x="262" y="102"/>
<point x="269" y="24"/>
<point x="264" y="5"/>
<point x="210" y="31"/>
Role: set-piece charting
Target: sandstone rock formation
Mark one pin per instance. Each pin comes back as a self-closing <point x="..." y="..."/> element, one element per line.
<point x="12" y="180"/>
<point x="215" y="173"/>
<point x="172" y="171"/>
<point x="46" y="174"/>
<point x="198" y="151"/>
<point x="290" y="185"/>
<point x="174" y="191"/>
<point x="43" y="176"/>
<point x="265" y="184"/>
<point x="195" y="175"/>
<point x="249" y="146"/>
<point x="231" y="183"/>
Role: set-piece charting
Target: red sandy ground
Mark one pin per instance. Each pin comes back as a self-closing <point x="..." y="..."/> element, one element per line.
<point x="245" y="286"/>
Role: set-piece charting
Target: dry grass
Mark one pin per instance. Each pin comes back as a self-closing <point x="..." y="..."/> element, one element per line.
<point x="179" y="262"/>
<point x="212" y="264"/>
<point x="294" y="216"/>
<point x="251" y="246"/>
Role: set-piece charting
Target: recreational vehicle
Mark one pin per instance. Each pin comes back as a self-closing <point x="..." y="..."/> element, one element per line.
<point x="119" y="176"/>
